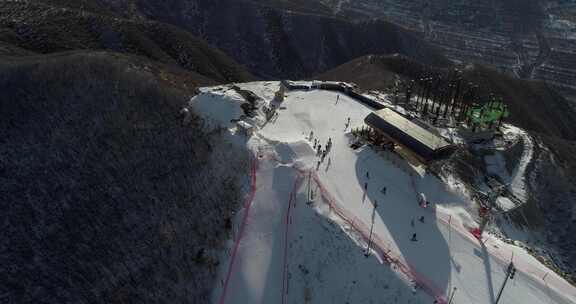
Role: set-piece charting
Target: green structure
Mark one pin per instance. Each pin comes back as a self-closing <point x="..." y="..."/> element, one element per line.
<point x="487" y="115"/>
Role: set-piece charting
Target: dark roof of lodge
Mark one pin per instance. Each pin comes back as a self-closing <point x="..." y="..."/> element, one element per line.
<point x="391" y="122"/>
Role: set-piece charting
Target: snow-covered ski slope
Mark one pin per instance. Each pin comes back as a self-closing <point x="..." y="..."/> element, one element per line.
<point x="287" y="249"/>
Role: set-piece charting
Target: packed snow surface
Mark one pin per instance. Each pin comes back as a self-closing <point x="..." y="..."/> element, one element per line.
<point x="302" y="234"/>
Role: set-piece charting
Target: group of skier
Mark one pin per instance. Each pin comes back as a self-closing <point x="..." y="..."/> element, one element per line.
<point x="321" y="151"/>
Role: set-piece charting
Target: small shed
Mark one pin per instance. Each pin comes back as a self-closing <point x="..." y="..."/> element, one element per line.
<point x="422" y="143"/>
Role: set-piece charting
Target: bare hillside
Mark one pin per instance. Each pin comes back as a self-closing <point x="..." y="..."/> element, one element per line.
<point x="55" y="26"/>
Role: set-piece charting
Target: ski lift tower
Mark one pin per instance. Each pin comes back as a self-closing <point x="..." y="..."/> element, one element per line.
<point x="486" y="210"/>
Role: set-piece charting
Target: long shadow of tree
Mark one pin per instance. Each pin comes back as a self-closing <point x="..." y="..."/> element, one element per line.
<point x="399" y="212"/>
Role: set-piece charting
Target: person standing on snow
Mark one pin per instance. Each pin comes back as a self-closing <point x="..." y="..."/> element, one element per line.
<point x="413" y="239"/>
<point x="423" y="202"/>
<point x="421" y="219"/>
<point x="383" y="190"/>
<point x="311" y="135"/>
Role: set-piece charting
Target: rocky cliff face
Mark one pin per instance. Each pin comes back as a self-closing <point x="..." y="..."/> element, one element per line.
<point x="530" y="39"/>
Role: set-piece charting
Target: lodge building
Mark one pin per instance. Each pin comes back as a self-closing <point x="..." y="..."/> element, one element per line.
<point x="423" y="145"/>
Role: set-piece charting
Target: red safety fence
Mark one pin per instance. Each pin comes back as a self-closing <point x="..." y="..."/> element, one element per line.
<point x="382" y="248"/>
<point x="247" y="206"/>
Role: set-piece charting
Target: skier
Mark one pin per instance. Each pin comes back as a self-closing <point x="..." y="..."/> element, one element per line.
<point x="318" y="166"/>
<point x="421" y="219"/>
<point x="365" y="186"/>
<point x="319" y="150"/>
<point x="323" y="155"/>
<point x="311" y="135"/>
<point x="315" y="143"/>
<point x="367" y="174"/>
<point x="422" y="201"/>
<point x="413" y="239"/>
<point x="383" y="190"/>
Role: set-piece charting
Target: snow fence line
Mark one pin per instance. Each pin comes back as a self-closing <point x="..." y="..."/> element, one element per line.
<point x="357" y="225"/>
<point x="288" y="222"/>
<point x="247" y="205"/>
<point x="381" y="248"/>
<point x="474" y="235"/>
<point x="336" y="87"/>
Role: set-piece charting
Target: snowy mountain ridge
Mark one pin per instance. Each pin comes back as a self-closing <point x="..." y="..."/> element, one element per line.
<point x="288" y="244"/>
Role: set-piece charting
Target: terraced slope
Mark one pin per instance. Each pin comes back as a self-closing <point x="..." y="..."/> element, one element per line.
<point x="533" y="39"/>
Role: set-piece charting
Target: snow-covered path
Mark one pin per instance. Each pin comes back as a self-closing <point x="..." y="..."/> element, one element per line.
<point x="291" y="261"/>
<point x="261" y="244"/>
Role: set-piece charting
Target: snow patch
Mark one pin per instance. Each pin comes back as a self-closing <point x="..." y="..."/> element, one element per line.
<point x="219" y="109"/>
<point x="292" y="253"/>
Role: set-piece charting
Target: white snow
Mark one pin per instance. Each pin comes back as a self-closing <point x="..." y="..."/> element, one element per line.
<point x="518" y="185"/>
<point x="219" y="108"/>
<point x="293" y="252"/>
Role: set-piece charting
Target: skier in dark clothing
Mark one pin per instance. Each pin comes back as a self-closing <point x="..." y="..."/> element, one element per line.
<point x="367" y="174"/>
<point x="413" y="239"/>
<point x="365" y="186"/>
<point x="421" y="219"/>
<point x="384" y="190"/>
